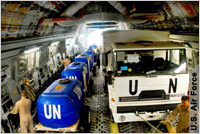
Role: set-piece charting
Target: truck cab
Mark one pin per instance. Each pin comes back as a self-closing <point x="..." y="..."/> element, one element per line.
<point x="145" y="78"/>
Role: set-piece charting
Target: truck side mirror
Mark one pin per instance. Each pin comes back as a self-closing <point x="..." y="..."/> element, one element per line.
<point x="110" y="73"/>
<point x="104" y="59"/>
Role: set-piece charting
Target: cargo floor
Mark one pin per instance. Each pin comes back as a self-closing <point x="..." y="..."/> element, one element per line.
<point x="98" y="103"/>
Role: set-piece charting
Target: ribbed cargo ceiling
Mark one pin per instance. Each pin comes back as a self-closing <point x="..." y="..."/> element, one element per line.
<point x="24" y="19"/>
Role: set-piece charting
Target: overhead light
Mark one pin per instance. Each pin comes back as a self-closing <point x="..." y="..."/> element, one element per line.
<point x="31" y="50"/>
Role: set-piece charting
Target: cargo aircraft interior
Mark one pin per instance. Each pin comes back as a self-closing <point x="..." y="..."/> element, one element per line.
<point x="96" y="66"/>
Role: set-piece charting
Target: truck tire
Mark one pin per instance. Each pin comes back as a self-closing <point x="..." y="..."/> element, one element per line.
<point x="94" y="71"/>
<point x="106" y="84"/>
<point x="98" y="62"/>
<point x="91" y="87"/>
<point x="85" y="119"/>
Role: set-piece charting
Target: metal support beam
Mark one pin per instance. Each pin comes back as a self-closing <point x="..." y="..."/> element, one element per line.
<point x="23" y="43"/>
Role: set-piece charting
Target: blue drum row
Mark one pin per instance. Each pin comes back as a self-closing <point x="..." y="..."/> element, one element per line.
<point x="60" y="104"/>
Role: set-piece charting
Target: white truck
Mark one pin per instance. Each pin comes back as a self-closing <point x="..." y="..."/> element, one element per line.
<point x="145" y="78"/>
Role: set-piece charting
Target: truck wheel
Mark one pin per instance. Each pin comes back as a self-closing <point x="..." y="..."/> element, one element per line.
<point x="81" y="130"/>
<point x="106" y="84"/>
<point x="85" y="119"/>
<point x="91" y="87"/>
<point x="98" y="63"/>
<point x="94" y="71"/>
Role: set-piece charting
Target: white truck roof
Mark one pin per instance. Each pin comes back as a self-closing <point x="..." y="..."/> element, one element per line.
<point x="147" y="45"/>
<point x="110" y="37"/>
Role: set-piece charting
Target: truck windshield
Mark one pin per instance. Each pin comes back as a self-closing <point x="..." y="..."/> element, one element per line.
<point x="144" y="62"/>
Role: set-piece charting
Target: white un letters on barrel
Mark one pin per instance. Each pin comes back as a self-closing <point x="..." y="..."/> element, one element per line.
<point x="56" y="111"/>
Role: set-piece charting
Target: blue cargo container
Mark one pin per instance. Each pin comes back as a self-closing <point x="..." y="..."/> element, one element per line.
<point x="75" y="71"/>
<point x="92" y="54"/>
<point x="84" y="58"/>
<point x="95" y="54"/>
<point x="60" y="104"/>
<point x="93" y="46"/>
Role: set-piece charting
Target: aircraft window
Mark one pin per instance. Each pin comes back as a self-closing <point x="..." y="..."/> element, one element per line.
<point x="143" y="62"/>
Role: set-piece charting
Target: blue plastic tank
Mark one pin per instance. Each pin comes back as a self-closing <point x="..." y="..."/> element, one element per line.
<point x="93" y="46"/>
<point x="60" y="104"/>
<point x="84" y="58"/>
<point x="92" y="54"/>
<point x="75" y="71"/>
<point x="95" y="54"/>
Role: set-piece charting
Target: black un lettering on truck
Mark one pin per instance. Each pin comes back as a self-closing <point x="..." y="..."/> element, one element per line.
<point x="172" y="85"/>
<point x="130" y="87"/>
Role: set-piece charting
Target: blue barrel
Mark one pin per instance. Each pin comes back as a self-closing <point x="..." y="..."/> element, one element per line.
<point x="96" y="51"/>
<point x="60" y="104"/>
<point x="93" y="46"/>
<point x="75" y="71"/>
<point x="91" y="53"/>
<point x="95" y="54"/>
<point x="84" y="58"/>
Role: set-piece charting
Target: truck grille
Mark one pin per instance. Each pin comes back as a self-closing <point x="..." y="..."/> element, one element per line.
<point x="147" y="96"/>
<point x="132" y="109"/>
